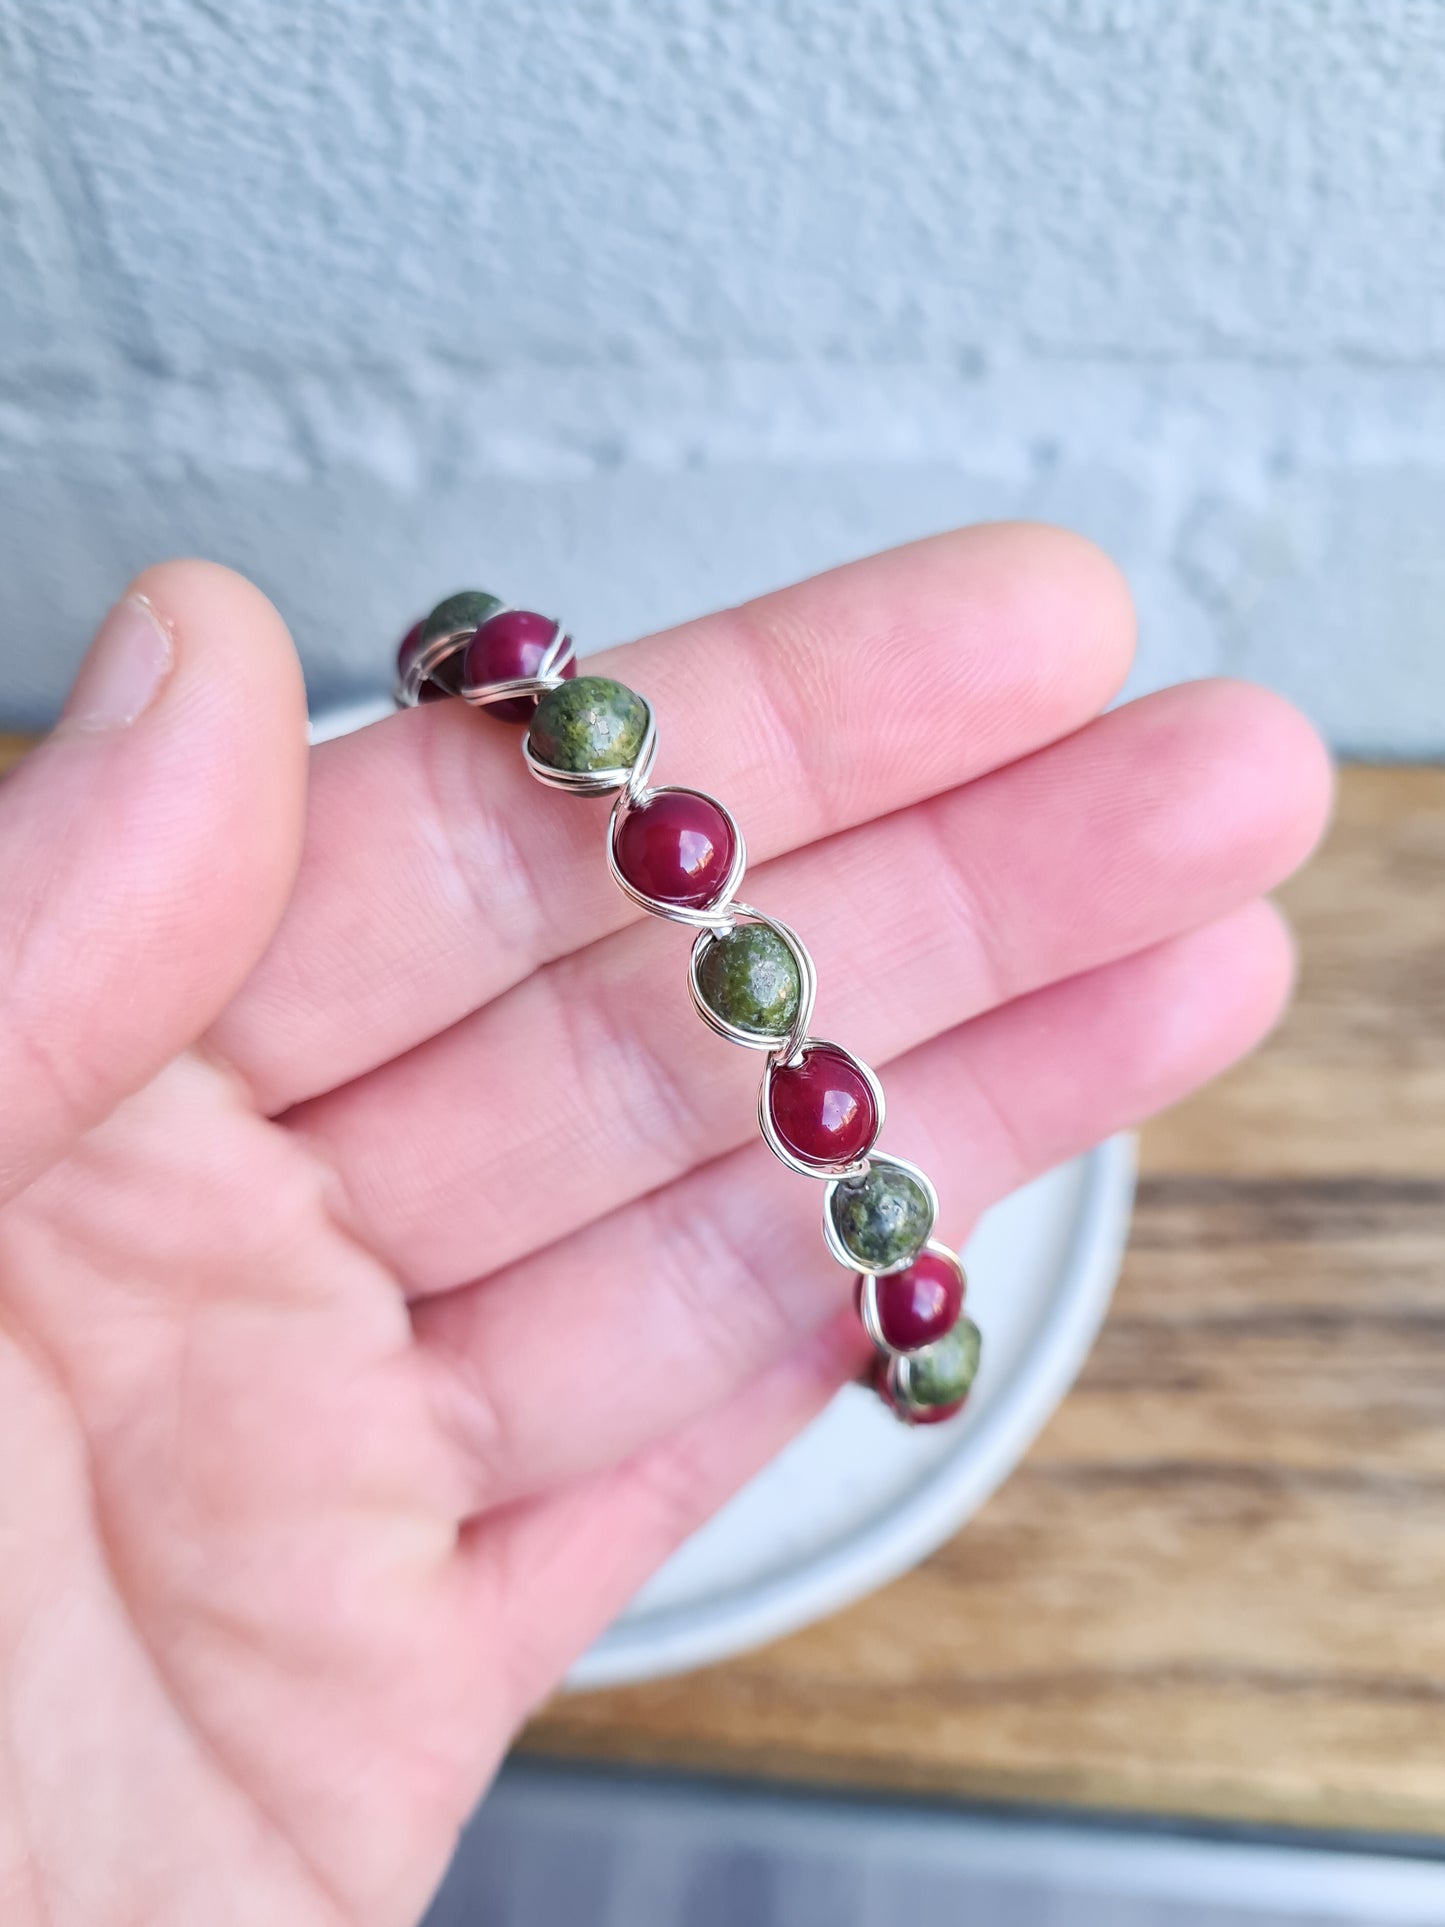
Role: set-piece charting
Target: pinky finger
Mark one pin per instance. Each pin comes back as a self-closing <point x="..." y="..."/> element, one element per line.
<point x="554" y="1571"/>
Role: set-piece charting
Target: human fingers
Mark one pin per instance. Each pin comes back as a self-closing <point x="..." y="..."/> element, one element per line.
<point x="593" y="1082"/>
<point x="146" y="850"/>
<point x="437" y="874"/>
<point x="588" y="1351"/>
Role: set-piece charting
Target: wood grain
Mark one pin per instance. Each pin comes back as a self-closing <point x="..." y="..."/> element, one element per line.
<point x="1217" y="1585"/>
<point x="1354" y="1082"/>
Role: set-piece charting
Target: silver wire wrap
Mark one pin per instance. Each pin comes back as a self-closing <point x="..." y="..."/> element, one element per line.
<point x="717" y="918"/>
<point x="789" y="1051"/>
<point x="599" y="782"/>
<point x="433" y="655"/>
<point x="868" y="1294"/>
<point x="551" y="671"/>
<point x="441" y="650"/>
<point x="829" y="1170"/>
<point x="714" y="917"/>
<point x="830" y="1229"/>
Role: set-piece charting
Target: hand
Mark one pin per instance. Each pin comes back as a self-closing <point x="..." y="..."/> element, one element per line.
<point x="390" y="1275"/>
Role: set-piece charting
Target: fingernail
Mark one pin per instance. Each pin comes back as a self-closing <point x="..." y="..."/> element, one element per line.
<point x="124" y="669"/>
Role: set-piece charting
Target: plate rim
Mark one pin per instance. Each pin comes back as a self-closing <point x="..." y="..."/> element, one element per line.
<point x="677" y="1639"/>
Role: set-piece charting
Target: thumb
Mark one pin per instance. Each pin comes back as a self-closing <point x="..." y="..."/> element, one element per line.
<point x="147" y="848"/>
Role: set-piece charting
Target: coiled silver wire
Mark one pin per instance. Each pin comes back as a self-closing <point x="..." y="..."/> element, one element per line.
<point x="441" y="650"/>
<point x="716" y="919"/>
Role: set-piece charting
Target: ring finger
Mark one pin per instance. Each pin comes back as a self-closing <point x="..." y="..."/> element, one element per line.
<point x="585" y="1352"/>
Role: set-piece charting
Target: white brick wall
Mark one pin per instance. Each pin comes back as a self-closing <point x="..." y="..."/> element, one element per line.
<point x="628" y="306"/>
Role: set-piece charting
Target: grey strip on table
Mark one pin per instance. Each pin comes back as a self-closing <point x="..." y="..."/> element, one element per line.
<point x="552" y="1848"/>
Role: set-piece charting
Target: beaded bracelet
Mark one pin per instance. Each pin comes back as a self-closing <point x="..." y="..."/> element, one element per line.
<point x="680" y="855"/>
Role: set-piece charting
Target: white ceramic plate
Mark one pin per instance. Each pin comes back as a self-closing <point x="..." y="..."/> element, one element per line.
<point x="858" y="1498"/>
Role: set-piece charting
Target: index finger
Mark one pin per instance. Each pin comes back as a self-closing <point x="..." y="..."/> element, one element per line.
<point x="436" y="873"/>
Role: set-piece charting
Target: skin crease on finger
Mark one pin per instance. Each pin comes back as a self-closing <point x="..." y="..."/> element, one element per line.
<point x="259" y="1648"/>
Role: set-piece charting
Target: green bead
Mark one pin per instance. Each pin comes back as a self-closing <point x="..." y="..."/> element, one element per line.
<point x="883" y="1218"/>
<point x="590" y="724"/>
<point x="467" y="609"/>
<point x="942" y="1372"/>
<point x="749" y="977"/>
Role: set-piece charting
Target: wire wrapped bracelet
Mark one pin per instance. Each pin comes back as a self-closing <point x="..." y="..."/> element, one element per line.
<point x="680" y="855"/>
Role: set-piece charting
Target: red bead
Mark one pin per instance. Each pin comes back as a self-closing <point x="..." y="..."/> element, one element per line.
<point x="824" y="1109"/>
<point x="676" y="848"/>
<point x="408" y="647"/>
<point x="511" y="644"/>
<point x="430" y="692"/>
<point x="936" y="1414"/>
<point x="919" y="1304"/>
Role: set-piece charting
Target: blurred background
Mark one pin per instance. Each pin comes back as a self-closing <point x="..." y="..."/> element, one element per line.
<point x="628" y="308"/>
<point x="635" y="306"/>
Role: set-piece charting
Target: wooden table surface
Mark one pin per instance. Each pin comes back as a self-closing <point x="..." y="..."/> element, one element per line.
<point x="1216" y="1587"/>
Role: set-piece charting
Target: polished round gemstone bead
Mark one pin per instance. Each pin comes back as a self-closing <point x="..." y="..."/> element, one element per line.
<point x="749" y="977"/>
<point x="914" y="1414"/>
<point x="408" y="647"/>
<point x="467" y="609"/>
<point x="942" y="1372"/>
<point x="590" y="724"/>
<point x="461" y="611"/>
<point x="676" y="848"/>
<point x="430" y="691"/>
<point x="824" y="1109"/>
<point x="881" y="1218"/>
<point x="506" y="646"/>
<point x="919" y="1305"/>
